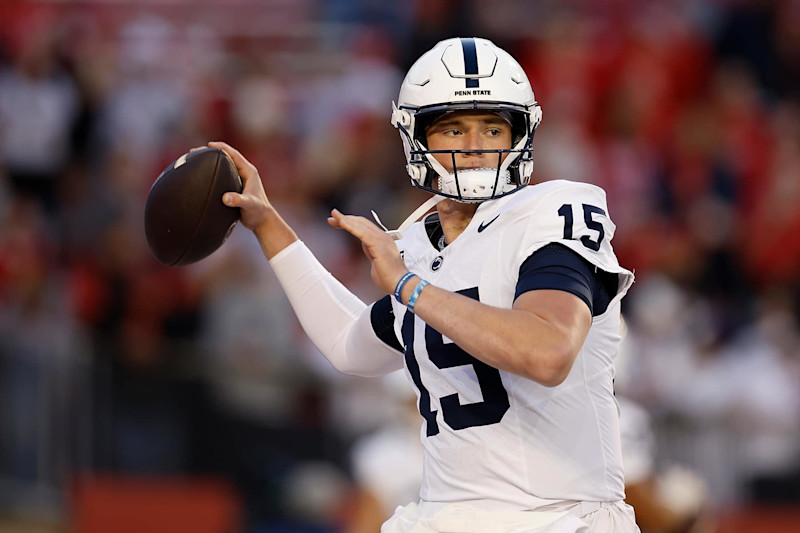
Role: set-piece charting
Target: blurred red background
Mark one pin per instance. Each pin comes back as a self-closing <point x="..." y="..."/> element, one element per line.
<point x="686" y="112"/>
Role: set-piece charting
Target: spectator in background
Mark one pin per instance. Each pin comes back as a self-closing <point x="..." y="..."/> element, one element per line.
<point x="149" y="101"/>
<point x="349" y="155"/>
<point x="43" y="355"/>
<point x="666" y="499"/>
<point x="387" y="463"/>
<point x="38" y="112"/>
<point x="725" y="401"/>
<point x="671" y="500"/>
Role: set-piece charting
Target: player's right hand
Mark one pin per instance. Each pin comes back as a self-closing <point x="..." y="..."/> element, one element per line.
<point x="252" y="201"/>
<point x="256" y="212"/>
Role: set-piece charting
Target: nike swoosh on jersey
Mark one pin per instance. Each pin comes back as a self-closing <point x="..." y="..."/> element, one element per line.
<point x="484" y="225"/>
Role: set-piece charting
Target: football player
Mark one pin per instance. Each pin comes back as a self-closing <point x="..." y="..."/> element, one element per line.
<point x="503" y="305"/>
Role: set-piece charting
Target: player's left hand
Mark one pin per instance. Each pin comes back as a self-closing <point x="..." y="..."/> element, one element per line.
<point x="387" y="265"/>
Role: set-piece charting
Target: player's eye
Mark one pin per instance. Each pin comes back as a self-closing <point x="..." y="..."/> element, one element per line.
<point x="494" y="132"/>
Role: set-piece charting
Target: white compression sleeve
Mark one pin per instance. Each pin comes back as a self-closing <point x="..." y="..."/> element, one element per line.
<point x="335" y="319"/>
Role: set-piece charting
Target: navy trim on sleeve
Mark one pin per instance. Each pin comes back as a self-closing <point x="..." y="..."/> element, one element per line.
<point x="555" y="266"/>
<point x="382" y="318"/>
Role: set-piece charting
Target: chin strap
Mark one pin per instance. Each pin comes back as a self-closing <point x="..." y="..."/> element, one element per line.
<point x="413" y="217"/>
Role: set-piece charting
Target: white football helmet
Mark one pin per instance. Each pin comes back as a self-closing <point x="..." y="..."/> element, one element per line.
<point x="467" y="74"/>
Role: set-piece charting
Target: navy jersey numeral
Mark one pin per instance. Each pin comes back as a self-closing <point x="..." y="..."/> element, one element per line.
<point x="495" y="398"/>
<point x="588" y="210"/>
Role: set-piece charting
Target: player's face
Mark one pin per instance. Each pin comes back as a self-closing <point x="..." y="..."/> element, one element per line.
<point x="469" y="130"/>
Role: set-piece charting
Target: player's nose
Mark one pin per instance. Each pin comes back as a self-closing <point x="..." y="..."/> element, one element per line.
<point x="474" y="141"/>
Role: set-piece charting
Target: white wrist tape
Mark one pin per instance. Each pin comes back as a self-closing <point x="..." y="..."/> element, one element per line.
<point x="336" y="321"/>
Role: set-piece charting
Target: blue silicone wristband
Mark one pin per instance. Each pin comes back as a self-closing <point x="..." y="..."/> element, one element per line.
<point x="402" y="283"/>
<point x="414" y="295"/>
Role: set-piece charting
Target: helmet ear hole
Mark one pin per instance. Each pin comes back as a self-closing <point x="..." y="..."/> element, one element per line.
<point x="525" y="171"/>
<point x="400" y="118"/>
<point x="417" y="172"/>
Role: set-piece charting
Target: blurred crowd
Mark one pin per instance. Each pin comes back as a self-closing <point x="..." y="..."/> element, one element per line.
<point x="686" y="112"/>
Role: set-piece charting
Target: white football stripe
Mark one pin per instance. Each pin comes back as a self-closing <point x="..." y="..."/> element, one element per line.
<point x="181" y="160"/>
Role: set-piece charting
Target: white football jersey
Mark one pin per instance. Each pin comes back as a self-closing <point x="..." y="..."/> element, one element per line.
<point x="492" y="438"/>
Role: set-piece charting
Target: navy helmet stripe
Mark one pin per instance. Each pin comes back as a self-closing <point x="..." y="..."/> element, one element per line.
<point x="470" y="61"/>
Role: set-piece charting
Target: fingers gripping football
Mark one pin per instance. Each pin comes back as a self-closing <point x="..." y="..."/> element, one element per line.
<point x="380" y="249"/>
<point x="252" y="201"/>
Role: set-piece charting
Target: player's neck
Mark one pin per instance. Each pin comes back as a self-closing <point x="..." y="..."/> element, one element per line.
<point x="454" y="217"/>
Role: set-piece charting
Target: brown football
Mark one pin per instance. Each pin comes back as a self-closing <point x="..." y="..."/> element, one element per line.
<point x="184" y="217"/>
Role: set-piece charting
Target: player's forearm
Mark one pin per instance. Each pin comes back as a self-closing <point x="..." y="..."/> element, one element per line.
<point x="274" y="234"/>
<point x="336" y="321"/>
<point x="517" y="341"/>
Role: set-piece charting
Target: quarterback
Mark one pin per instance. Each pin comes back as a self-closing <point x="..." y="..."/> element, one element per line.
<point x="502" y="304"/>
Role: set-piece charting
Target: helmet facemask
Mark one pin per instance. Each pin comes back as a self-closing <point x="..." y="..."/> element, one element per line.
<point x="466" y="184"/>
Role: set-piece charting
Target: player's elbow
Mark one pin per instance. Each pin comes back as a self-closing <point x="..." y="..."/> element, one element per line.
<point x="551" y="369"/>
<point x="345" y="363"/>
<point x="363" y="355"/>
<point x="343" y="366"/>
<point x="349" y="367"/>
<point x="556" y="377"/>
